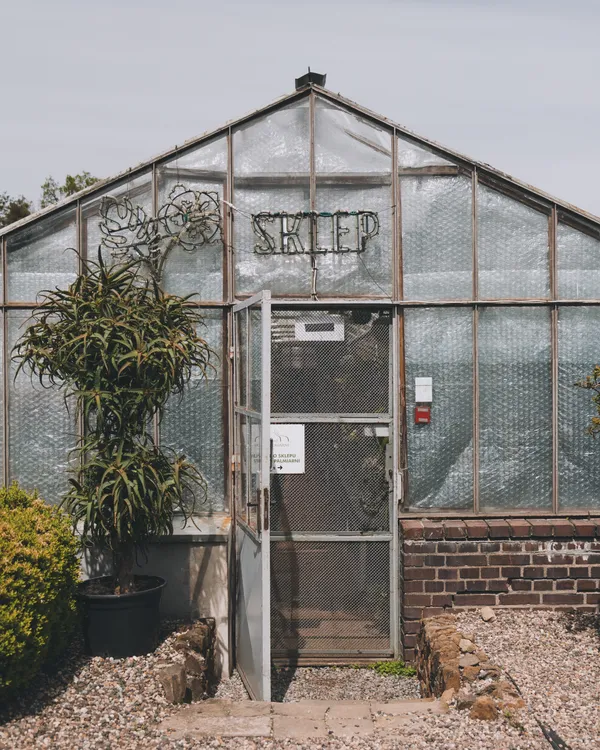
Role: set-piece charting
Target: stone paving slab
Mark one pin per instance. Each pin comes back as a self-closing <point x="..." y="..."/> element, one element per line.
<point x="300" y="720"/>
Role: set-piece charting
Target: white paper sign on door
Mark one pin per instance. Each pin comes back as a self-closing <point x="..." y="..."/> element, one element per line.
<point x="288" y="448"/>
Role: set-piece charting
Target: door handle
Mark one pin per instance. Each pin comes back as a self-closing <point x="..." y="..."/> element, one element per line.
<point x="266" y="508"/>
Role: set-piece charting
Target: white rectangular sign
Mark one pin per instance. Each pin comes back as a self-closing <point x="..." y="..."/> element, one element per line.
<point x="288" y="448"/>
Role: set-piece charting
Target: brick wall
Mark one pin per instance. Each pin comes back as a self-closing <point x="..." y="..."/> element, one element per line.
<point x="450" y="564"/>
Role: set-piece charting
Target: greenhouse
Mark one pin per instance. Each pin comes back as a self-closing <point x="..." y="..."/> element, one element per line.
<point x="398" y="332"/>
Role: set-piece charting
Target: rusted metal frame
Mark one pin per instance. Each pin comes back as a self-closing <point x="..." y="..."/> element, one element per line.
<point x="396" y="224"/>
<point x="439" y="171"/>
<point x="228" y="263"/>
<point x="81" y="258"/>
<point x="301" y="179"/>
<point x="487" y="302"/>
<point x="312" y="186"/>
<point x="579" y="223"/>
<point x="552" y="232"/>
<point x="154" y="188"/>
<point x="396" y="480"/>
<point x="403" y="414"/>
<point x="440" y="513"/>
<point x="475" y="319"/>
<point x="509" y="190"/>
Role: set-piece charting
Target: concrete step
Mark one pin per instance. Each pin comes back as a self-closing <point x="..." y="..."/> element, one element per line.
<point x="297" y="720"/>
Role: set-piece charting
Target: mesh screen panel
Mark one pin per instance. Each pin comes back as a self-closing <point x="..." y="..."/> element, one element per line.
<point x="578" y="263"/>
<point x="344" y="486"/>
<point x="241" y="338"/>
<point x="512" y="242"/>
<point x="349" y="375"/>
<point x="437" y="244"/>
<point x="193" y="424"/>
<point x="439" y="344"/>
<point x="41" y="257"/>
<point x="255" y="347"/>
<point x="41" y="430"/>
<point x="515" y="398"/>
<point x="330" y="596"/>
<point x="578" y="352"/>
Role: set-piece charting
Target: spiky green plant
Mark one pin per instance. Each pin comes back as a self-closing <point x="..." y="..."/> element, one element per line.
<point x="119" y="347"/>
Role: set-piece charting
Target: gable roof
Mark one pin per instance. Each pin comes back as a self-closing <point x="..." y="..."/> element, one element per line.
<point x="494" y="177"/>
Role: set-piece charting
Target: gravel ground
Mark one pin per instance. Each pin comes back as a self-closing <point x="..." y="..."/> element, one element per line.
<point x="106" y="704"/>
<point x="555" y="660"/>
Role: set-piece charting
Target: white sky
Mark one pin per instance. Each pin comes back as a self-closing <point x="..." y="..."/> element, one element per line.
<point x="104" y="85"/>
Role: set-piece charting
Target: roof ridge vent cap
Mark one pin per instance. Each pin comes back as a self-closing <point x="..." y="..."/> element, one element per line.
<point x="318" y="79"/>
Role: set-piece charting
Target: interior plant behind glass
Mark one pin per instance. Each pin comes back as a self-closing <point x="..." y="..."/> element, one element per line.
<point x="120" y="346"/>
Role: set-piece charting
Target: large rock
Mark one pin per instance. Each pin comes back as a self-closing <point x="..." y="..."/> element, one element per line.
<point x="484" y="708"/>
<point x="174" y="683"/>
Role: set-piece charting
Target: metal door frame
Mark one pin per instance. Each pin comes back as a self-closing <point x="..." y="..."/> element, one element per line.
<point x="392" y="418"/>
<point x="243" y="531"/>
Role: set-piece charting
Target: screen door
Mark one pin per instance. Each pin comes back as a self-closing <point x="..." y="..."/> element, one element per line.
<point x="252" y="355"/>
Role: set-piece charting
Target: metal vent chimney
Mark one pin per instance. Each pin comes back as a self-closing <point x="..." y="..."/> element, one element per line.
<point x="317" y="78"/>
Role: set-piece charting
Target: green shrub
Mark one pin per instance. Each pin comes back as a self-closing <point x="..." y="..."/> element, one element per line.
<point x="38" y="577"/>
<point x="393" y="669"/>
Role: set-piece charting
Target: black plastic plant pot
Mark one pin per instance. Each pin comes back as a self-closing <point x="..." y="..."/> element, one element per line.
<point x="120" y="626"/>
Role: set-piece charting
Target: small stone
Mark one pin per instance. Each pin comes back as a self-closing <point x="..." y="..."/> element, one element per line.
<point x="467" y="647"/>
<point x="484" y="709"/>
<point x="173" y="682"/>
<point x="464" y="700"/>
<point x="487" y="614"/>
<point x="448" y="695"/>
<point x="468" y="660"/>
<point x="470" y="673"/>
<point x="197" y="638"/>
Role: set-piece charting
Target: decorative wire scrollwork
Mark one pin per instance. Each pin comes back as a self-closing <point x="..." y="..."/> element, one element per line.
<point x="189" y="219"/>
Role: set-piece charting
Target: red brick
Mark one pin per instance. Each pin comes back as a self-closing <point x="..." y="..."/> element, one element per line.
<point x="534" y="572"/>
<point x="411" y="626"/>
<point x="412" y="613"/>
<point x="476" y="586"/>
<point x="512" y="546"/>
<point x="441" y="600"/>
<point x="410" y="641"/>
<point x="447" y="574"/>
<point x="595" y="571"/>
<point x="499" y="529"/>
<point x="413" y="561"/>
<point x="475" y="600"/>
<point x="419" y="574"/>
<point x="417" y="600"/>
<point x="446" y="547"/>
<point x="434" y="586"/>
<point x="454" y="529"/>
<point x="433" y="561"/>
<point x="520" y="585"/>
<point x="453" y="586"/>
<point x="432" y="611"/>
<point x="564" y="599"/>
<point x="497" y="586"/>
<point x="544" y="585"/>
<point x="511" y="572"/>
<point x="518" y="599"/>
<point x="562" y="527"/>
<point x="509" y="559"/>
<point x="557" y="572"/>
<point x="584" y="527"/>
<point x="519" y="528"/>
<point x="554" y="559"/>
<point x="579" y="572"/>
<point x="566" y="585"/>
<point x="413" y="587"/>
<point x="532" y="546"/>
<point x="467" y="547"/>
<point x="587" y="559"/>
<point x="469" y="573"/>
<point x="412" y="529"/>
<point x="586" y="585"/>
<point x="457" y="561"/>
<point x="477" y="529"/>
<point x="592" y="598"/>
<point x="416" y="547"/>
<point x="488" y="547"/>
<point x="409" y="655"/>
<point x="432" y="530"/>
<point x="490" y="572"/>
<point x="541" y="527"/>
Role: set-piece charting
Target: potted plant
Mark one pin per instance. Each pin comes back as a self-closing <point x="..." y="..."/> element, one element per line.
<point x="119" y="347"/>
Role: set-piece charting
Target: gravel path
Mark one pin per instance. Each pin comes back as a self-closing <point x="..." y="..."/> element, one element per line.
<point x="106" y="704"/>
<point x="555" y="660"/>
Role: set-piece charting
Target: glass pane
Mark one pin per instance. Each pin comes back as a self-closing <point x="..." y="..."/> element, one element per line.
<point x="41" y="430"/>
<point x="195" y="268"/>
<point x="437" y="241"/>
<point x="438" y="343"/>
<point x="412" y="156"/>
<point x="578" y="452"/>
<point x="512" y="247"/>
<point x="194" y="424"/>
<point x="578" y="262"/>
<point x="515" y="408"/>
<point x="137" y="190"/>
<point x="242" y="473"/>
<point x="41" y="256"/>
<point x="271" y="167"/>
<point x="354" y="173"/>
<point x="255" y="342"/>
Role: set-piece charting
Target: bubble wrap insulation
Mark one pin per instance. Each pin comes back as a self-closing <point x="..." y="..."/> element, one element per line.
<point x="515" y="408"/>
<point x="439" y="344"/>
<point x="194" y="423"/>
<point x="411" y="155"/>
<point x="512" y="247"/>
<point x="578" y="262"/>
<point x="41" y="257"/>
<point x="437" y="243"/>
<point x="579" y="453"/>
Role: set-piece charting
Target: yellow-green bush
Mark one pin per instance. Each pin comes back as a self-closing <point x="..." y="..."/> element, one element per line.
<point x="38" y="577"/>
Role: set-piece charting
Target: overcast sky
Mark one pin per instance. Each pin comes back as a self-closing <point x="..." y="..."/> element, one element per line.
<point x="104" y="85"/>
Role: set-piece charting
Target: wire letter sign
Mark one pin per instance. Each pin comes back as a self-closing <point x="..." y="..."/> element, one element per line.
<point x="313" y="232"/>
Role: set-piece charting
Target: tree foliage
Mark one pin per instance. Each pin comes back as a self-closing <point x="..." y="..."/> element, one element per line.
<point x="13" y="209"/>
<point x="53" y="192"/>
<point x="119" y="346"/>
